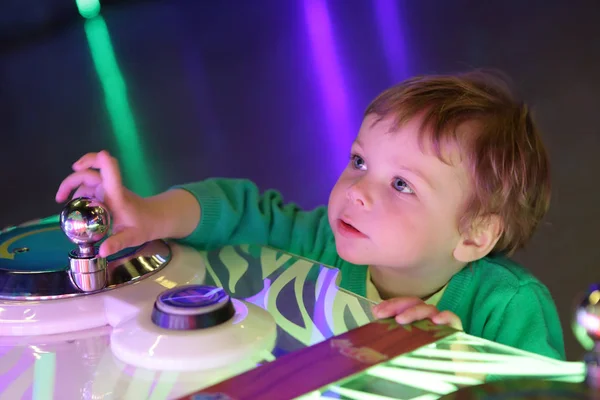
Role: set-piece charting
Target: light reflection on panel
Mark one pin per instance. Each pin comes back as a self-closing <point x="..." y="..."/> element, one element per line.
<point x="44" y="371"/>
<point x="446" y="366"/>
<point x="302" y="296"/>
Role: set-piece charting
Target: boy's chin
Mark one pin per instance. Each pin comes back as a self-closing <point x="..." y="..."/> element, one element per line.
<point x="353" y="256"/>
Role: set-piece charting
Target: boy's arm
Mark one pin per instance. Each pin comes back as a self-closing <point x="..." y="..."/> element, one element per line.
<point x="233" y="211"/>
<point x="530" y="322"/>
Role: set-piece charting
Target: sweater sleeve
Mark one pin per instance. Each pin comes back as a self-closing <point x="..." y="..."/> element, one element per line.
<point x="234" y="212"/>
<point x="530" y="322"/>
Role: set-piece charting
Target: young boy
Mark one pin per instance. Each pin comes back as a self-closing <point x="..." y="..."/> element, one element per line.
<point x="447" y="177"/>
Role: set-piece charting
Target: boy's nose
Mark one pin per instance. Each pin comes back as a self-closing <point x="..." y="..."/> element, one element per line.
<point x="359" y="195"/>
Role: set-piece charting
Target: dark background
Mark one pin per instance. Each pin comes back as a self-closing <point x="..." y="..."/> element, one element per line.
<point x="274" y="91"/>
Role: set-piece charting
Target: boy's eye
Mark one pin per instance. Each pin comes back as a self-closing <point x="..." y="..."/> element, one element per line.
<point x="358" y="162"/>
<point x="400" y="185"/>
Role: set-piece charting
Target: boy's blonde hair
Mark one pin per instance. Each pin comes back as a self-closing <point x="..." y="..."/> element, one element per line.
<point x="506" y="158"/>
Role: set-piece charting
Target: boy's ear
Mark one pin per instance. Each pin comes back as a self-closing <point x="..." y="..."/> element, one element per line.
<point x="480" y="239"/>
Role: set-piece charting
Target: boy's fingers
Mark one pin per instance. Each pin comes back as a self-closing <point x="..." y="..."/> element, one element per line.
<point x="74" y="181"/>
<point x="86" y="161"/>
<point x="416" y="313"/>
<point x="86" y="191"/>
<point x="118" y="241"/>
<point x="111" y="176"/>
<point x="107" y="171"/>
<point x="395" y="306"/>
<point x="448" y="318"/>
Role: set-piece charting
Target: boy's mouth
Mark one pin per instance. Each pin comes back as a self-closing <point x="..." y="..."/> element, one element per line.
<point x="349" y="225"/>
<point x="347" y="229"/>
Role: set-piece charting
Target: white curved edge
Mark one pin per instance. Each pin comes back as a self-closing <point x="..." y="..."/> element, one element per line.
<point x="250" y="333"/>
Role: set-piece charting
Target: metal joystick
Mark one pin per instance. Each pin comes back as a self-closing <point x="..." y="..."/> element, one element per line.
<point x="587" y="322"/>
<point x="85" y="222"/>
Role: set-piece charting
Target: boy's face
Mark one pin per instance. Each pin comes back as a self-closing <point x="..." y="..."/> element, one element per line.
<point x="396" y="205"/>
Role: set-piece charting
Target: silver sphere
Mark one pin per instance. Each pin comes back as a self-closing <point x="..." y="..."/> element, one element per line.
<point x="85" y="221"/>
<point x="587" y="313"/>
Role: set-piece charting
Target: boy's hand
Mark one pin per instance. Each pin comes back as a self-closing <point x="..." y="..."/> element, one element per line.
<point x="410" y="309"/>
<point x="97" y="175"/>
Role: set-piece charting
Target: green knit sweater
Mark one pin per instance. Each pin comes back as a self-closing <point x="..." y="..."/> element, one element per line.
<point x="494" y="298"/>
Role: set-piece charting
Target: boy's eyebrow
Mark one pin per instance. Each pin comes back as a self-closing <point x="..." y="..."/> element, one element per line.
<point x="416" y="173"/>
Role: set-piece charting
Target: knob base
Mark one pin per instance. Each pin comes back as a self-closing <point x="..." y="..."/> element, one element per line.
<point x="88" y="274"/>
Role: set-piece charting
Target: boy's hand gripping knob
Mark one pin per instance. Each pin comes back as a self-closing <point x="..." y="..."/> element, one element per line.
<point x="86" y="222"/>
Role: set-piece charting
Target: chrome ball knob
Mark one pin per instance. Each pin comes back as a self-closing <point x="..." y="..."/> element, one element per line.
<point x="85" y="222"/>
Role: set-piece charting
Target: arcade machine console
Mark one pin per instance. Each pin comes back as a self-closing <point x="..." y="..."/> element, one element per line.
<point x="151" y="322"/>
<point x="164" y="321"/>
